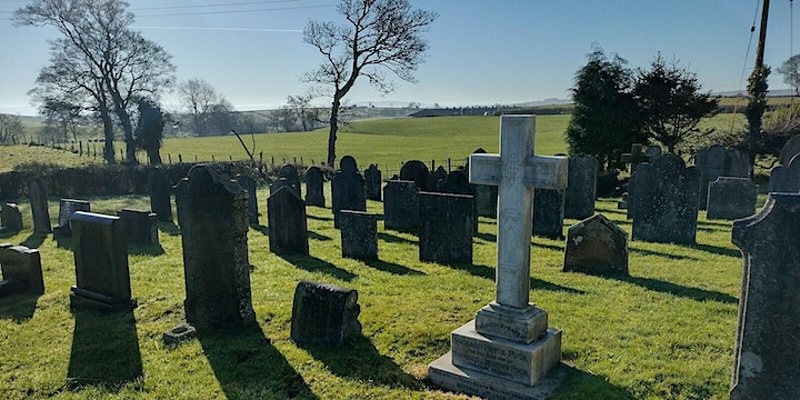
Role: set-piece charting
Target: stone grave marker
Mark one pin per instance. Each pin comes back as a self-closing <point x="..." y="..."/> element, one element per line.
<point x="10" y="218"/>
<point x="401" y="206"/>
<point x="715" y="161"/>
<point x="160" y="194"/>
<point x="138" y="226"/>
<point x="315" y="195"/>
<point x="652" y="151"/>
<point x="359" y="235"/>
<point x="731" y="198"/>
<point x="437" y="180"/>
<point x="66" y="208"/>
<point x="665" y="200"/>
<point x="288" y="177"/>
<point x="324" y="314"/>
<point x="581" y="187"/>
<point x="372" y="178"/>
<point x="212" y="211"/>
<point x="548" y="213"/>
<point x="596" y="245"/>
<point x="785" y="178"/>
<point x="347" y="189"/>
<point x="37" y="193"/>
<point x="287" y="223"/>
<point x="458" y="182"/>
<point x="101" y="263"/>
<point x="445" y="227"/>
<point x="485" y="196"/>
<point x="416" y="171"/>
<point x="22" y="270"/>
<point x="508" y="351"/>
<point x="249" y="184"/>
<point x="790" y="150"/>
<point x="767" y="351"/>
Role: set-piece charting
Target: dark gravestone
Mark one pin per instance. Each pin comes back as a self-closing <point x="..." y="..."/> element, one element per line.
<point x="372" y="178"/>
<point x="315" y="195"/>
<point x="66" y="208"/>
<point x="324" y="314"/>
<point x="287" y="177"/>
<point x="287" y="223"/>
<point x="347" y="189"/>
<point x="665" y="201"/>
<point x="485" y="196"/>
<point x="437" y="180"/>
<point x="101" y="263"/>
<point x="458" y="182"/>
<point x="731" y="198"/>
<point x="652" y="152"/>
<point x="10" y="218"/>
<point x="359" y="235"/>
<point x="767" y="350"/>
<point x="160" y="194"/>
<point x="212" y="211"/>
<point x="22" y="270"/>
<point x="37" y="194"/>
<point x="715" y="161"/>
<point x="548" y="213"/>
<point x="416" y="171"/>
<point x="139" y="226"/>
<point x="401" y="206"/>
<point x="445" y="228"/>
<point x="785" y="178"/>
<point x="249" y="185"/>
<point x="790" y="150"/>
<point x="10" y="185"/>
<point x="581" y="187"/>
<point x="596" y="245"/>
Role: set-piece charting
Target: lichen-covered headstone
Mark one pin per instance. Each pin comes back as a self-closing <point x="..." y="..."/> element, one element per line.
<point x="548" y="213"/>
<point x="37" y="193"/>
<point x="581" y="187"/>
<point x="446" y="228"/>
<point x="10" y="218"/>
<point x="160" y="190"/>
<point x="731" y="198"/>
<point x="22" y="270"/>
<point x="416" y="171"/>
<point x="324" y="314"/>
<point x="139" y="226"/>
<point x="67" y="207"/>
<point x="249" y="184"/>
<point x="359" y="235"/>
<point x="437" y="180"/>
<point x="315" y="195"/>
<point x="596" y="245"/>
<point x="715" y="161"/>
<point x="372" y="177"/>
<point x="287" y="223"/>
<point x="347" y="189"/>
<point x="401" y="206"/>
<point x="767" y="350"/>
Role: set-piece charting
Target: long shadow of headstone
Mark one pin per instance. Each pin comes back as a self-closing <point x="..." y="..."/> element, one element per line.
<point x="34" y="240"/>
<point x="18" y="308"/>
<point x="314" y="264"/>
<point x="586" y="385"/>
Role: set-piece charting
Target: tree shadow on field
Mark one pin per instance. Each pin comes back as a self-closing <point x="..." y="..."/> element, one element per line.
<point x="389" y="238"/>
<point x="358" y="359"/>
<point x="34" y="240"/>
<point x="392" y="268"/>
<point x="585" y="385"/>
<point x="18" y="307"/>
<point x="247" y="365"/>
<point x="487" y="272"/>
<point x="674" y="289"/>
<point x="314" y="264"/>
<point x="169" y="228"/>
<point x="105" y="350"/>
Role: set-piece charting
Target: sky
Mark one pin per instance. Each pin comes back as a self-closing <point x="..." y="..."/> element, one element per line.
<point x="482" y="52"/>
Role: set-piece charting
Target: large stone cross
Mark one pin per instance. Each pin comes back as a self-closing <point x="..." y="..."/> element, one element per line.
<point x="516" y="171"/>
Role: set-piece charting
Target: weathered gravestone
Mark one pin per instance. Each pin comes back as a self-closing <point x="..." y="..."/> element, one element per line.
<point x="652" y="151"/>
<point x="665" y="200"/>
<point x="372" y="178"/>
<point x="596" y="245"/>
<point x="508" y="351"/>
<point x="359" y="235"/>
<point x="485" y="196"/>
<point x="548" y="213"/>
<point x="10" y="185"/>
<point x="401" y="206"/>
<point x="715" y="161"/>
<point x="581" y="187"/>
<point x="22" y="270"/>
<point x="101" y="263"/>
<point x="10" y="218"/>
<point x="160" y="194"/>
<point x="790" y="150"/>
<point x="139" y="226"/>
<point x="731" y="198"/>
<point x="315" y="194"/>
<point x="287" y="177"/>
<point x="636" y="156"/>
<point x="458" y="182"/>
<point x="445" y="228"/>
<point x="437" y="180"/>
<point x="347" y="189"/>
<point x="39" y="206"/>
<point x="767" y="350"/>
<point x="212" y="212"/>
<point x="287" y="223"/>
<point x="324" y="314"/>
<point x="66" y="208"/>
<point x="249" y="185"/>
<point x="416" y="171"/>
<point x="785" y="178"/>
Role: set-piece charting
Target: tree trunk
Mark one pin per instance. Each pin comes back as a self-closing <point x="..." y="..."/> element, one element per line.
<point x="154" y="156"/>
<point x="127" y="127"/>
<point x="108" y="133"/>
<point x="332" y="135"/>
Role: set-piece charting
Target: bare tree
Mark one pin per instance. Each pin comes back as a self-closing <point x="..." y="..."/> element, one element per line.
<point x="10" y="128"/>
<point x="306" y="115"/>
<point x="197" y="97"/>
<point x="790" y="69"/>
<point x="64" y="113"/>
<point x="379" y="35"/>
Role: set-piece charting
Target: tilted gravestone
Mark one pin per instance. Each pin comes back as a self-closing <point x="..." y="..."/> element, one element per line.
<point x="10" y="218"/>
<point x="324" y="314"/>
<point x="596" y="245"/>
<point x="287" y="223"/>
<point x="665" y="201"/>
<point x="212" y="211"/>
<point x="785" y="178"/>
<point x="401" y="206"/>
<point x="790" y="150"/>
<point x="315" y="194"/>
<point x="37" y="193"/>
<point x="139" y="226"/>
<point x="508" y="351"/>
<point x="437" y="180"/>
<point x="548" y="213"/>
<point x="731" y="198"/>
<point x="767" y="351"/>
<point x="101" y="263"/>
<point x="715" y="161"/>
<point x="581" y="187"/>
<point x="485" y="196"/>
<point x="416" y="171"/>
<point x="347" y="189"/>
<point x="66" y="208"/>
<point x="160" y="190"/>
<point x="445" y="228"/>
<point x="359" y="235"/>
<point x="287" y="177"/>
<point x="249" y="184"/>
<point x="372" y="178"/>
<point x="22" y="270"/>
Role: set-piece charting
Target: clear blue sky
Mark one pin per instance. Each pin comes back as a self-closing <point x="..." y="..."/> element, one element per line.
<point x="481" y="51"/>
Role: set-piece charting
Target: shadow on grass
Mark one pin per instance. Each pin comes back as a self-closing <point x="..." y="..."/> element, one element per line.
<point x="674" y="289"/>
<point x="316" y="236"/>
<point x="169" y="228"/>
<point x="392" y="268"/>
<point x="34" y="240"/>
<point x="318" y="218"/>
<point x="489" y="237"/>
<point x="248" y="366"/>
<point x="5" y="234"/>
<point x="487" y="272"/>
<point x="261" y="228"/>
<point x="724" y="251"/>
<point x="64" y="243"/>
<point x="139" y="249"/>
<point x="548" y="246"/>
<point x="612" y="211"/>
<point x="18" y="307"/>
<point x="358" y="360"/>
<point x="585" y="385"/>
<point x="105" y="350"/>
<point x="314" y="264"/>
<point x="662" y="254"/>
<point x="389" y="238"/>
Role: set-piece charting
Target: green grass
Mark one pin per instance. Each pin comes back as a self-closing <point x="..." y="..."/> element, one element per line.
<point x="665" y="331"/>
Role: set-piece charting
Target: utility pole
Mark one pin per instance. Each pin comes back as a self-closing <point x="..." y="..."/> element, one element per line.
<point x="757" y="91"/>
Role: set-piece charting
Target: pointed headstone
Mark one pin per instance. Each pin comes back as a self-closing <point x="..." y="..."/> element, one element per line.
<point x="596" y="245"/>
